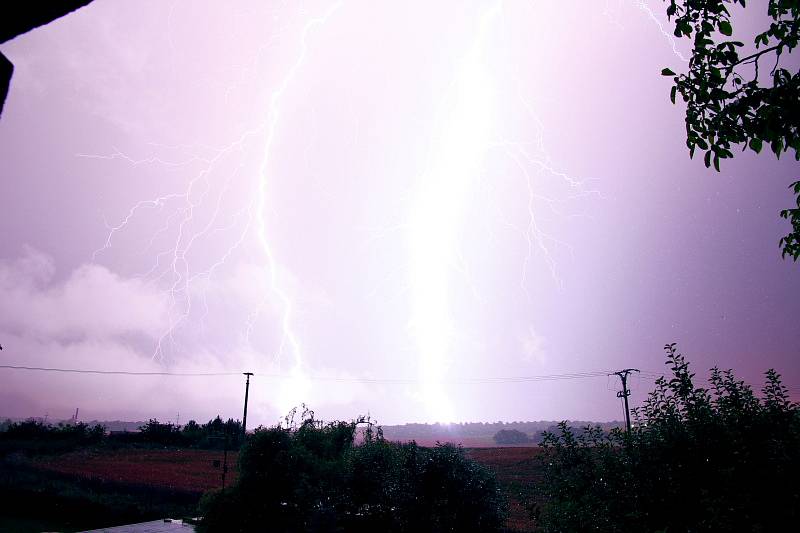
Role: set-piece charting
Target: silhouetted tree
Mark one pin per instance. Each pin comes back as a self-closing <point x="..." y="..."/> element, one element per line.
<point x="697" y="460"/>
<point x="193" y="431"/>
<point x="313" y="477"/>
<point x="32" y="436"/>
<point x="511" y="436"/>
<point x="165" y="433"/>
<point x="729" y="100"/>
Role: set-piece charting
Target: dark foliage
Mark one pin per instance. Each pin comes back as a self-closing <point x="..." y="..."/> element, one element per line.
<point x="731" y="98"/>
<point x="160" y="433"/>
<point x="32" y="429"/>
<point x="511" y="436"/>
<point x="50" y="501"/>
<point x="32" y="436"/>
<point x="697" y="460"/>
<point x="314" y="477"/>
<point x="216" y="434"/>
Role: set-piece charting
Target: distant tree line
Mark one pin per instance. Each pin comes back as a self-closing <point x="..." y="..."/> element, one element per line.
<point x="513" y="436"/>
<point x="215" y="434"/>
<point x="36" y="436"/>
<point x="487" y="430"/>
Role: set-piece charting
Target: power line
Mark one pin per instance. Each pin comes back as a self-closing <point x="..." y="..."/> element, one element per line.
<point x="389" y="381"/>
<point x="362" y="380"/>
<point x="116" y="372"/>
<point x="468" y="381"/>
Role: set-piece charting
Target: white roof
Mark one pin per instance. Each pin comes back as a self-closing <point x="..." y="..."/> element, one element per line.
<point x="156" y="526"/>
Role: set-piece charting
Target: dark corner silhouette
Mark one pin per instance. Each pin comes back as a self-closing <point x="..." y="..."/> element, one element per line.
<point x="21" y="17"/>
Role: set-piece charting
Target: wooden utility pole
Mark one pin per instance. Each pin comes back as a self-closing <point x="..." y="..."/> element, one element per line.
<point x="246" y="393"/>
<point x="624" y="393"/>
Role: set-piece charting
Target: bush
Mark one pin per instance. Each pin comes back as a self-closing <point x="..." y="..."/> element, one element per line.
<point x="696" y="460"/>
<point x="32" y="429"/>
<point x="215" y="434"/>
<point x="32" y="436"/>
<point x="313" y="477"/>
<point x="157" y="432"/>
<point x="511" y="436"/>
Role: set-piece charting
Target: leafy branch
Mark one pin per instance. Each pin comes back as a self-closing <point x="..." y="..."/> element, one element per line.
<point x="726" y="106"/>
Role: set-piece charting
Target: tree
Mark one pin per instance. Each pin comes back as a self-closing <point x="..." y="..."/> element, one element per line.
<point x="730" y="101"/>
<point x="314" y="477"/>
<point x="697" y="459"/>
<point x="32" y="436"/>
<point x="511" y="436"/>
<point x="157" y="432"/>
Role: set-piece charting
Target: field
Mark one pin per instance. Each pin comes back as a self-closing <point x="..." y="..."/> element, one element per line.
<point x="184" y="470"/>
<point x="517" y="470"/>
<point x="193" y="471"/>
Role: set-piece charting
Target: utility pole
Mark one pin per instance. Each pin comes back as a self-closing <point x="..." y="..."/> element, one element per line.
<point x="624" y="393"/>
<point x="246" y="393"/>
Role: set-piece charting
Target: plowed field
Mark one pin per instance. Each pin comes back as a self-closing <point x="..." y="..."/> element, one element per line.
<point x="193" y="471"/>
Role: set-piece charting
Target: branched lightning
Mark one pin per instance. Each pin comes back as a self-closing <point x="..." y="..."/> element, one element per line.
<point x="468" y="133"/>
<point x="178" y="275"/>
<point x="643" y="5"/>
<point x="289" y="336"/>
<point x="645" y="8"/>
<point x="296" y="388"/>
<point x="172" y="264"/>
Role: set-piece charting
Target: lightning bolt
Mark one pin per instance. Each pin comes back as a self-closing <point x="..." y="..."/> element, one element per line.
<point x="467" y="131"/>
<point x="172" y="266"/>
<point x="645" y="7"/>
<point x="453" y="167"/>
<point x="449" y="177"/>
<point x="296" y="387"/>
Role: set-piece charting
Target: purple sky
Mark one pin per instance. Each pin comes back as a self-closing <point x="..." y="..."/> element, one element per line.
<point x="346" y="193"/>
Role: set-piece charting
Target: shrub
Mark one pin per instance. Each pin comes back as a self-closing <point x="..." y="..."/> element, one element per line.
<point x="32" y="436"/>
<point x="313" y="477"/>
<point x="215" y="434"/>
<point x="511" y="436"/>
<point x="33" y="429"/>
<point x="696" y="460"/>
<point x="165" y="433"/>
